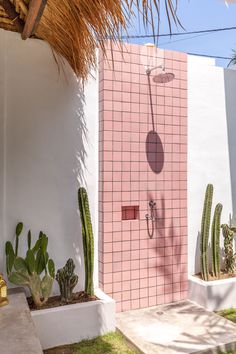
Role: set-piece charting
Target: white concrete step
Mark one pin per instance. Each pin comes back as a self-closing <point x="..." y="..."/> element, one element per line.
<point x="17" y="330"/>
<point x="177" y="328"/>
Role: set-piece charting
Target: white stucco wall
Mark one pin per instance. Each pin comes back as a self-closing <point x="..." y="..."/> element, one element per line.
<point x="211" y="146"/>
<point x="44" y="157"/>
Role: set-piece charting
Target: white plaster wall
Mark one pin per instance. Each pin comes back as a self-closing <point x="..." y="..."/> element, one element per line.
<point x="44" y="155"/>
<point x="210" y="155"/>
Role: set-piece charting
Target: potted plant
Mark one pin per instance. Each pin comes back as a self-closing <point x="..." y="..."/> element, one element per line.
<point x="215" y="287"/>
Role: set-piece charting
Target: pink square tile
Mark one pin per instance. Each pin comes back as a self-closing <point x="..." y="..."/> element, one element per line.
<point x="107" y="258"/>
<point x="135" y="284"/>
<point x="117" y="277"/>
<point x="116" y="296"/>
<point x="152" y="301"/>
<point x="135" y="294"/>
<point x="117" y="287"/>
<point x="107" y="278"/>
<point x="168" y="298"/>
<point x="144" y="302"/>
<point x="126" y="246"/>
<point x="135" y="304"/>
<point x="144" y="293"/>
<point x="108" y="289"/>
<point x="117" y="256"/>
<point x="135" y="275"/>
<point x="177" y="296"/>
<point x="126" y="305"/>
<point x="117" y="267"/>
<point x="126" y="285"/>
<point x="126" y="275"/>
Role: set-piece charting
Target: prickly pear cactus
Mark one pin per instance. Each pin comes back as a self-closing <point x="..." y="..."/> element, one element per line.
<point x="230" y="256"/>
<point x="215" y="240"/>
<point x="67" y="280"/>
<point x="27" y="271"/>
<point x="88" y="240"/>
<point x="205" y="228"/>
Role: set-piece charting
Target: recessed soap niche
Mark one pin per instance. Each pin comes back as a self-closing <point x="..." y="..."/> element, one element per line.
<point x="130" y="212"/>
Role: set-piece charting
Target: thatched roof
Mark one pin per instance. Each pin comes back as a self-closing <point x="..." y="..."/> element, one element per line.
<point x="75" y="28"/>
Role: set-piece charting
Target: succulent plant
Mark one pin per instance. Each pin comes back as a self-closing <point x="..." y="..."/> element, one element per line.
<point x="205" y="228"/>
<point x="67" y="280"/>
<point x="27" y="271"/>
<point x="88" y="240"/>
<point x="215" y="240"/>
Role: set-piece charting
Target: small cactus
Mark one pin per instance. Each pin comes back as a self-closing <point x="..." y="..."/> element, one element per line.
<point x="27" y="271"/>
<point x="205" y="228"/>
<point x="67" y="280"/>
<point x="230" y="256"/>
<point x="88" y="240"/>
<point x="215" y="240"/>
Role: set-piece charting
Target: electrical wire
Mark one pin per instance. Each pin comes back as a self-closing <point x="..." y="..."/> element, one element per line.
<point x="178" y="33"/>
<point x="209" y="56"/>
<point x="200" y="33"/>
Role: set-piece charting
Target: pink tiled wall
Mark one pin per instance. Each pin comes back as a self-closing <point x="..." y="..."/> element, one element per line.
<point x="135" y="270"/>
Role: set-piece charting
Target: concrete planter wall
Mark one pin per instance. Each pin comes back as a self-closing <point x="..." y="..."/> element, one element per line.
<point x="213" y="295"/>
<point x="73" y="323"/>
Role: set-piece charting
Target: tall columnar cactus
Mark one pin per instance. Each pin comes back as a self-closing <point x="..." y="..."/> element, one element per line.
<point x="205" y="228"/>
<point x="27" y="271"/>
<point x="215" y="240"/>
<point x="228" y="234"/>
<point x="88" y="240"/>
<point x="67" y="280"/>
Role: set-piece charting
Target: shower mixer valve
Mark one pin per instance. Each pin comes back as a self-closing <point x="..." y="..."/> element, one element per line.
<point x="152" y="206"/>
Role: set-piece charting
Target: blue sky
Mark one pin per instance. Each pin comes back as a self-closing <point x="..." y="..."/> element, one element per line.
<point x="199" y="15"/>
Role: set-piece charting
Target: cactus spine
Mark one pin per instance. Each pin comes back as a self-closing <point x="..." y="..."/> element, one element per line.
<point x="88" y="240"/>
<point x="215" y="240"/>
<point x="205" y="227"/>
<point x="67" y="280"/>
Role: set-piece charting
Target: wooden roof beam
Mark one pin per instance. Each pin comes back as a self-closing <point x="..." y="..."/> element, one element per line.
<point x="12" y="14"/>
<point x="36" y="8"/>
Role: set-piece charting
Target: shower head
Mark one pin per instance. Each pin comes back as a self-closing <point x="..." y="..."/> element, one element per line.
<point x="163" y="78"/>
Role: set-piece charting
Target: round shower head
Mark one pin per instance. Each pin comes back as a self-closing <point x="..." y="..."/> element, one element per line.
<point x="163" y="78"/>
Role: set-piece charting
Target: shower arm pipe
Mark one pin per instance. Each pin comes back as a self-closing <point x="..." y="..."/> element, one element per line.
<point x="149" y="71"/>
<point x="151" y="103"/>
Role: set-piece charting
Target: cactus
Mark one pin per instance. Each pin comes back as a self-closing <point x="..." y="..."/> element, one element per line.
<point x="215" y="240"/>
<point x="67" y="280"/>
<point x="228" y="234"/>
<point x="88" y="240"/>
<point x="27" y="271"/>
<point x="205" y="227"/>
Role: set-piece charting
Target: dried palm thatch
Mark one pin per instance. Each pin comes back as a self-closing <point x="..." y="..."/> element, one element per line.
<point x="75" y="28"/>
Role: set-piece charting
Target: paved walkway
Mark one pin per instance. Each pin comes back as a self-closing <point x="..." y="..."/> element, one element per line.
<point x="182" y="327"/>
<point x="17" y="331"/>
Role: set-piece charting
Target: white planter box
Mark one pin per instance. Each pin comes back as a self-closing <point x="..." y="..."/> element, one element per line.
<point x="213" y="295"/>
<point x="72" y="323"/>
